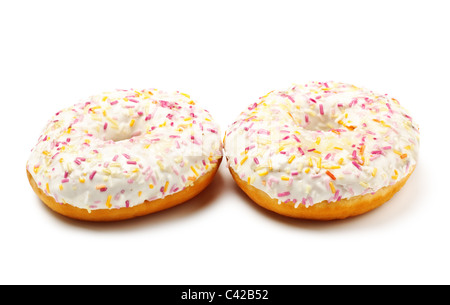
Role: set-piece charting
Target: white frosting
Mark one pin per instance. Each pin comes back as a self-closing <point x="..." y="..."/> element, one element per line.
<point x="322" y="142"/>
<point x="121" y="148"/>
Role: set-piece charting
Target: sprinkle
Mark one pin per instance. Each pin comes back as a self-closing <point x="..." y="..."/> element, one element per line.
<point x="108" y="202"/>
<point x="61" y="187"/>
<point x="132" y="162"/>
<point x="195" y="172"/>
<point x="307" y="170"/>
<point x="263" y="173"/>
<point x="321" y="109"/>
<point x="374" y="172"/>
<point x="256" y="160"/>
<point x="151" y="186"/>
<point x="331" y="175"/>
<point x="356" y="164"/>
<point x="47" y="188"/>
<point x="65" y="180"/>
<point x="81" y="180"/>
<point x="166" y="186"/>
<point x="284" y="178"/>
<point x="284" y="194"/>
<point x="244" y="159"/>
<point x="126" y="156"/>
<point x="403" y="156"/>
<point x="291" y="159"/>
<point x="91" y="176"/>
<point x="333" y="190"/>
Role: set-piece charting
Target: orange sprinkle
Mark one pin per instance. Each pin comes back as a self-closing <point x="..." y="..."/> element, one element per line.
<point x="403" y="156"/>
<point x="331" y="175"/>
<point x="361" y="150"/>
<point x="191" y="178"/>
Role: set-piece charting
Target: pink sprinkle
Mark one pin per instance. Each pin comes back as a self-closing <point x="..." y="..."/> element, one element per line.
<point x="131" y="162"/>
<point x="301" y="150"/>
<point x="126" y="156"/>
<point x="115" y="158"/>
<point x="321" y="109"/>
<point x="92" y="175"/>
<point x="263" y="131"/>
<point x="133" y="100"/>
<point x="306" y="118"/>
<point x="313" y="100"/>
<point x="284" y="194"/>
<point x="356" y="164"/>
<point x="289" y="97"/>
<point x="256" y="160"/>
<point x="294" y="173"/>
<point x="327" y="156"/>
<point x="130" y="181"/>
<point x="66" y="174"/>
<point x="387" y="147"/>
<point x="105" y="126"/>
<point x="65" y="180"/>
<point x="77" y="161"/>
<point x="127" y="203"/>
<point x="286" y="137"/>
<point x="114" y="102"/>
<point x="312" y="149"/>
<point x="377" y="152"/>
<point x="148" y="117"/>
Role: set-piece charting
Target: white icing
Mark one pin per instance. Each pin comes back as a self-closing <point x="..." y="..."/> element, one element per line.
<point x="322" y="142"/>
<point x="121" y="148"/>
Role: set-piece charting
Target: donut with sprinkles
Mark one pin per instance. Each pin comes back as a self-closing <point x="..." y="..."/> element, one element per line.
<point x="123" y="154"/>
<point x="322" y="150"/>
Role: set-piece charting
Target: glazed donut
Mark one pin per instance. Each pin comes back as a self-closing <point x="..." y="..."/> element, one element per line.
<point x="124" y="154"/>
<point x="322" y="150"/>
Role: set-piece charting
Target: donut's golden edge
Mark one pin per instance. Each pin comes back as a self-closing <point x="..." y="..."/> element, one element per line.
<point x="324" y="210"/>
<point x="147" y="207"/>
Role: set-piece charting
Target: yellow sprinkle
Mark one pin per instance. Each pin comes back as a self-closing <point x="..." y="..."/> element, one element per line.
<point x="318" y="152"/>
<point x="104" y="112"/>
<point x="408" y="147"/>
<point x="318" y="140"/>
<point x="243" y="160"/>
<point x="397" y="152"/>
<point x="161" y="166"/>
<point x="146" y="146"/>
<point x="135" y="170"/>
<point x="284" y="178"/>
<point x="270" y="164"/>
<point x="337" y="148"/>
<point x="82" y="180"/>
<point x="281" y="148"/>
<point x="47" y="188"/>
<point x="333" y="190"/>
<point x="263" y="173"/>
<point x="108" y="202"/>
<point x="206" y="119"/>
<point x="396" y="175"/>
<point x="206" y="166"/>
<point x="307" y="170"/>
<point x="100" y="186"/>
<point x="310" y="162"/>
<point x="166" y="186"/>
<point x="330" y="166"/>
<point x="341" y="160"/>
<point x="291" y="159"/>
<point x="45" y="152"/>
<point x="151" y="186"/>
<point x="195" y="172"/>
<point x="61" y="187"/>
<point x="374" y="172"/>
<point x="36" y="169"/>
<point x="364" y="184"/>
<point x="132" y="122"/>
<point x="86" y="141"/>
<point x="186" y="95"/>
<point x="104" y="98"/>
<point x="140" y="193"/>
<point x="319" y="163"/>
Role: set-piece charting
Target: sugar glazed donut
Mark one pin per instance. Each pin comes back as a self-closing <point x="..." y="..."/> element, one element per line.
<point x="323" y="150"/>
<point x="124" y="154"/>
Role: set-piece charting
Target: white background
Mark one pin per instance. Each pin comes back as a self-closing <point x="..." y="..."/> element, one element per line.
<point x="225" y="55"/>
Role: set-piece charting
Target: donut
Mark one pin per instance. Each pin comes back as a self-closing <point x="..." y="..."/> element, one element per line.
<point x="123" y="154"/>
<point x="322" y="150"/>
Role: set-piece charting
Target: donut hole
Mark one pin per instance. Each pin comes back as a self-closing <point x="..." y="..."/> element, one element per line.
<point x="313" y="122"/>
<point x="124" y="134"/>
